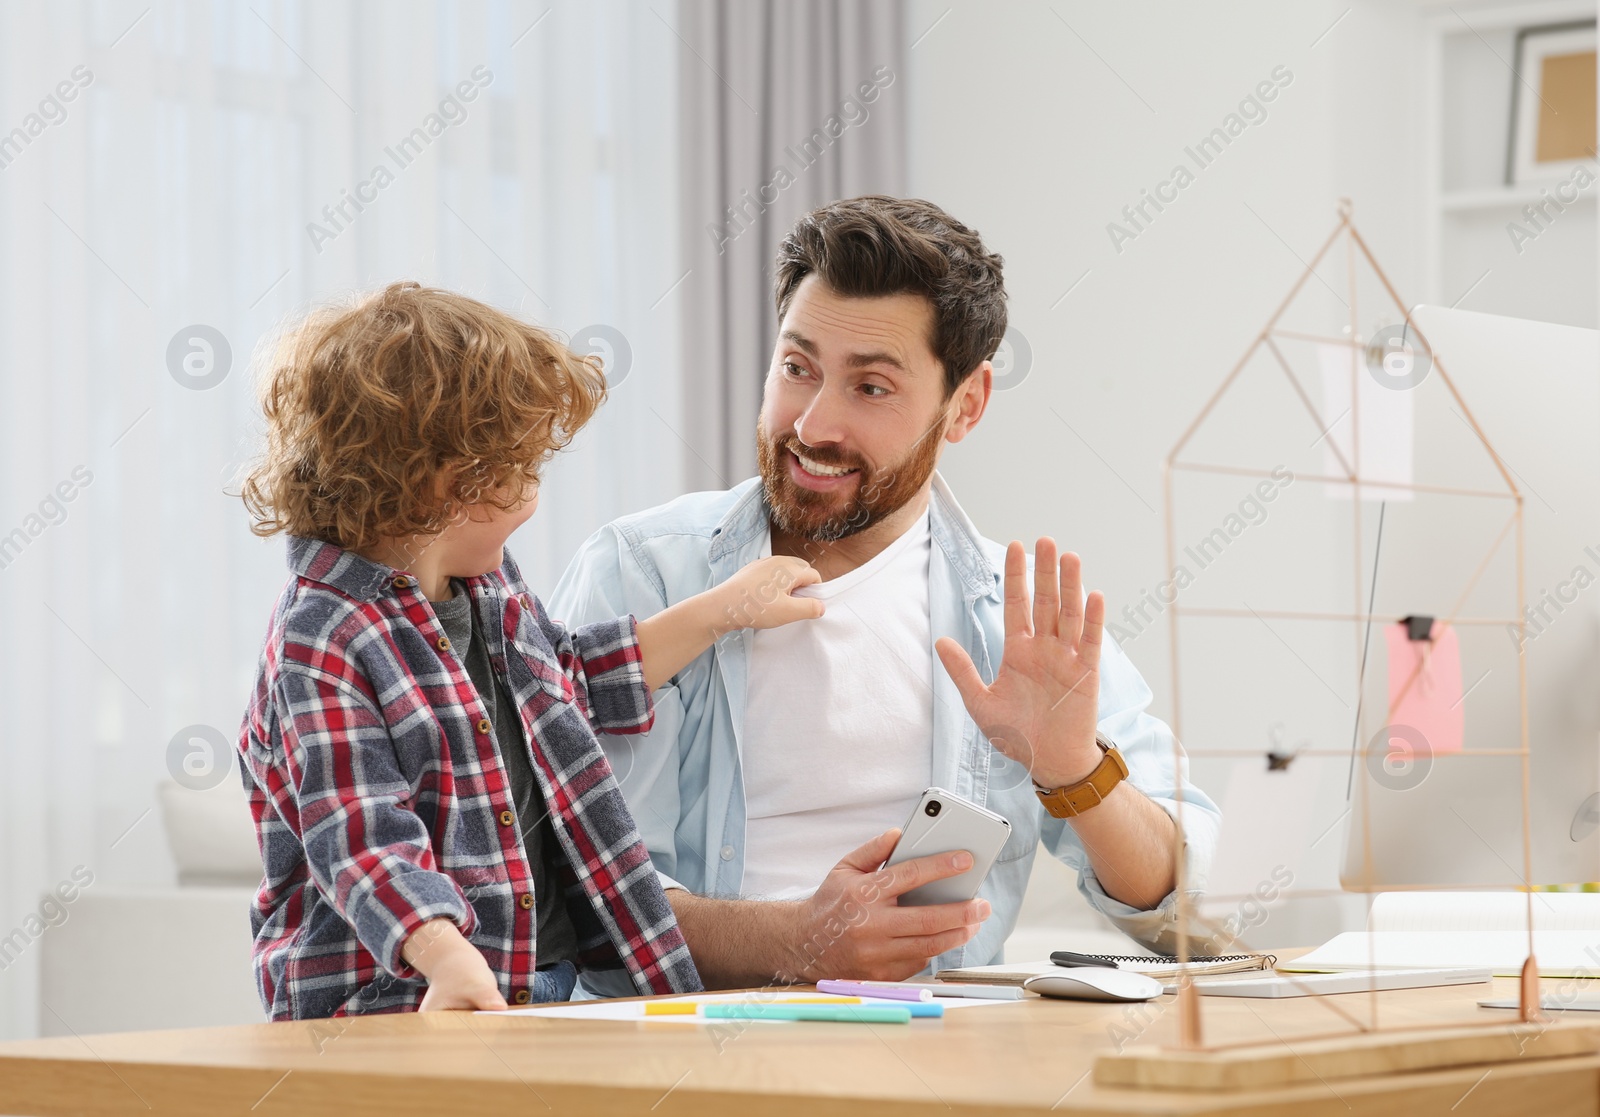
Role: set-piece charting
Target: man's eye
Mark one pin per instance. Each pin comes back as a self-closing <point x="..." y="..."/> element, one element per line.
<point x="874" y="390"/>
<point x="792" y="369"/>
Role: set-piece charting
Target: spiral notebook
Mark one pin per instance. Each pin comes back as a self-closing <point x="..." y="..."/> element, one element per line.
<point x="1155" y="965"/>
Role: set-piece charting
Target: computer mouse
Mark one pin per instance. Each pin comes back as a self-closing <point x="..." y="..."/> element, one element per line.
<point x="1095" y="983"/>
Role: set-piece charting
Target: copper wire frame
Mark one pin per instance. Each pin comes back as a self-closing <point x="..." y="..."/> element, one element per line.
<point x="1189" y="1000"/>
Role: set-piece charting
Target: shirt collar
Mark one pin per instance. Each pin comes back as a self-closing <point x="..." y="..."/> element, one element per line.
<point x="961" y="542"/>
<point x="744" y="522"/>
<point x="330" y="565"/>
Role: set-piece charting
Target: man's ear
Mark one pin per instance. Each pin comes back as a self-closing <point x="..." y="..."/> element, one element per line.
<point x="970" y="401"/>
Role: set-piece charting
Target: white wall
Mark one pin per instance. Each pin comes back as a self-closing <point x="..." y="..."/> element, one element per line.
<point x="1036" y="124"/>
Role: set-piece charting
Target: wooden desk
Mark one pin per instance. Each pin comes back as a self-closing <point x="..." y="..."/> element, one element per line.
<point x="1029" y="1057"/>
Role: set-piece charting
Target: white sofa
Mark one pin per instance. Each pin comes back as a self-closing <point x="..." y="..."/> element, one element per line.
<point x="139" y="959"/>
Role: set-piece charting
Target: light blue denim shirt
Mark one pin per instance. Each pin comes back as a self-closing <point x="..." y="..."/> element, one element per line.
<point x="683" y="782"/>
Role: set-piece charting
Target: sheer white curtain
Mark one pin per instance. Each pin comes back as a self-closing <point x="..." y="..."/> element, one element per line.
<point x="174" y="189"/>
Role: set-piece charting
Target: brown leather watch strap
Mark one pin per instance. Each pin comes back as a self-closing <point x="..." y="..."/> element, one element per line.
<point x="1073" y="800"/>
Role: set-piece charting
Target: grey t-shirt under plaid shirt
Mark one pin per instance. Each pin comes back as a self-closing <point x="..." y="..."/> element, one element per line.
<point x="556" y="940"/>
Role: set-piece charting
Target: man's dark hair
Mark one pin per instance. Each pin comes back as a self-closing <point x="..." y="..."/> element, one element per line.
<point x="877" y="245"/>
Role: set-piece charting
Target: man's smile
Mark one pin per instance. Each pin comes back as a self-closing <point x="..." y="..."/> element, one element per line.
<point x="812" y="474"/>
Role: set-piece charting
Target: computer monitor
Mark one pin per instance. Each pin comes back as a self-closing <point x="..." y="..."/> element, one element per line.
<point x="1462" y="828"/>
<point x="1535" y="387"/>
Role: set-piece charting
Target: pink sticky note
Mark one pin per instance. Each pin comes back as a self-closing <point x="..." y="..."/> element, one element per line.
<point x="1431" y="702"/>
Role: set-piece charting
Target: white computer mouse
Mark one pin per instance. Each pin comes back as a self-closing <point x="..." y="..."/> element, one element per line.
<point x="1095" y="983"/>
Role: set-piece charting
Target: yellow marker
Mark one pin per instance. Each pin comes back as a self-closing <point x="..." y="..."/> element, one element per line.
<point x="689" y="1008"/>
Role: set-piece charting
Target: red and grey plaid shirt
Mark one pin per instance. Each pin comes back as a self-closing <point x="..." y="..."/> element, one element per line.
<point x="381" y="801"/>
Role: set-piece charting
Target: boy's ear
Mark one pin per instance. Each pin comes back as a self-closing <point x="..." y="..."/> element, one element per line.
<point x="446" y="492"/>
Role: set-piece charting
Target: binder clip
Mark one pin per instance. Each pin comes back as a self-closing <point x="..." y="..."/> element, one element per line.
<point x="1418" y="628"/>
<point x="1278" y="756"/>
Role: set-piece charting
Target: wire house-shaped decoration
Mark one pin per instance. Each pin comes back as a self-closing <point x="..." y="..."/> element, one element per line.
<point x="1350" y="476"/>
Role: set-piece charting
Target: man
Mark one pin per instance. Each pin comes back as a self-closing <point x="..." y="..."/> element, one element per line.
<point x="780" y="763"/>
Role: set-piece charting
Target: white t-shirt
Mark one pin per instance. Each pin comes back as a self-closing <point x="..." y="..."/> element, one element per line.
<point x="838" y="738"/>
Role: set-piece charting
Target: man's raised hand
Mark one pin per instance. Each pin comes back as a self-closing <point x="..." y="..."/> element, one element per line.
<point x="1042" y="708"/>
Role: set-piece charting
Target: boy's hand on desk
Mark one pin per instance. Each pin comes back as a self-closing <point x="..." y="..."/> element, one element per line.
<point x="761" y="595"/>
<point x="854" y="927"/>
<point x="466" y="983"/>
<point x="458" y="976"/>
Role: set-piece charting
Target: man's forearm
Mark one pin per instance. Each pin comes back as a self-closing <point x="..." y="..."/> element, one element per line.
<point x="1129" y="840"/>
<point x="739" y="943"/>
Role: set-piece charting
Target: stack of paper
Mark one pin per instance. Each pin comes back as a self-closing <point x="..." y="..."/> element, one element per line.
<point x="1467" y="929"/>
<point x="1484" y="911"/>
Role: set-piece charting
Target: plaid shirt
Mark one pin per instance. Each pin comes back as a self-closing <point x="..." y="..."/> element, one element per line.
<point x="381" y="801"/>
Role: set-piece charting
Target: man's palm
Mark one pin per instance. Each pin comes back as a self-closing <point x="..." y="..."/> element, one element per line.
<point x="1042" y="707"/>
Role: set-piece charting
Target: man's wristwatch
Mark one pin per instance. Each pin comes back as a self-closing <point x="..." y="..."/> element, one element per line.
<point x="1073" y="800"/>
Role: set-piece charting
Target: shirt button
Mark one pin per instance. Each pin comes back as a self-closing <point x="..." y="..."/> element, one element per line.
<point x="484" y="726"/>
<point x="727" y="853"/>
<point x="401" y="582"/>
<point x="522" y="997"/>
<point x="444" y="643"/>
<point x="526" y="602"/>
<point x="507" y="818"/>
<point x="526" y="900"/>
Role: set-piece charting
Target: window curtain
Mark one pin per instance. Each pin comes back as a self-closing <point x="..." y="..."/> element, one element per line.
<point x="178" y="177"/>
<point x="784" y="107"/>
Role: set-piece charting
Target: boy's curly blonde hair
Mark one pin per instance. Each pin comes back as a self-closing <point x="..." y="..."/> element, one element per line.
<point x="368" y="405"/>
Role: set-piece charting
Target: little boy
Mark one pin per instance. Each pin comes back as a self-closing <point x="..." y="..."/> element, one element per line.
<point x="438" y="825"/>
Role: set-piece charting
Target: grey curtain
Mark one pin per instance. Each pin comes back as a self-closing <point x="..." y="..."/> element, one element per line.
<point x="785" y="106"/>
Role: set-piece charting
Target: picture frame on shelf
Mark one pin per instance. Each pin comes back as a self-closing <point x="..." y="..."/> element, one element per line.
<point x="1552" y="121"/>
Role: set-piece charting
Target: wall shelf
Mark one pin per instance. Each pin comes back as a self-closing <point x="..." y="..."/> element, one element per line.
<point x="1503" y="197"/>
<point x="1466" y="81"/>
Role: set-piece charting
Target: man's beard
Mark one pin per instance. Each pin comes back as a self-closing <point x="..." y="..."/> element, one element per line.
<point x="827" y="517"/>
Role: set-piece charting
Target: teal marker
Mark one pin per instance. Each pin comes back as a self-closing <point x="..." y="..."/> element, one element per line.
<point x="839" y="1014"/>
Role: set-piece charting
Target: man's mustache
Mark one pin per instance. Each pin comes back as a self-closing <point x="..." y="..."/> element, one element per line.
<point x="823" y="455"/>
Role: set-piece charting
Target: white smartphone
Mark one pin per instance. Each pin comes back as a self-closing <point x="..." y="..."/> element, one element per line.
<point x="944" y="823"/>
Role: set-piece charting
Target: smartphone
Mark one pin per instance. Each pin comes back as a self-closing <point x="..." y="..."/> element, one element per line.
<point x="944" y="823"/>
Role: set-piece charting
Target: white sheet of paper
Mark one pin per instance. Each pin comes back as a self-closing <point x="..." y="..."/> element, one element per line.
<point x="1385" y="417"/>
<point x="1266" y="826"/>
<point x="634" y="1010"/>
